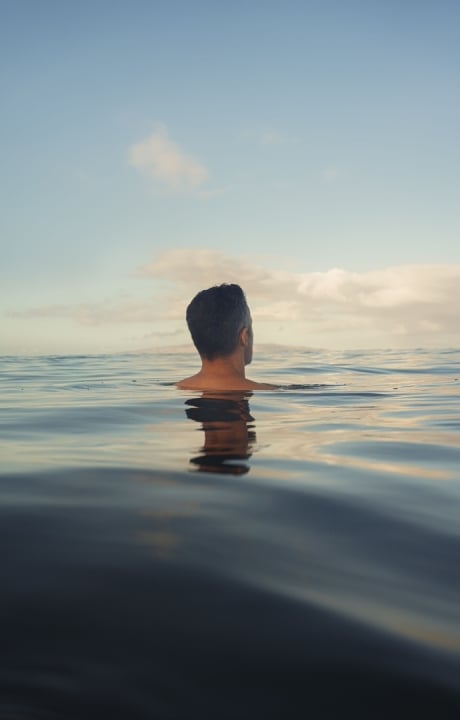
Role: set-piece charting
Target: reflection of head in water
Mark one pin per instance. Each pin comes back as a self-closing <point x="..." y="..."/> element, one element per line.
<point x="228" y="436"/>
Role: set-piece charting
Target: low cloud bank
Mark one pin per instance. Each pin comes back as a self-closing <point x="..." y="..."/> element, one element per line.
<point x="403" y="305"/>
<point x="413" y="300"/>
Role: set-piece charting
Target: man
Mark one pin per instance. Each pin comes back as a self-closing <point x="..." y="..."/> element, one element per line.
<point x="220" y="324"/>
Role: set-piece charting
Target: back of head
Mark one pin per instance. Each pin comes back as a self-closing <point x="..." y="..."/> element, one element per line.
<point x="215" y="318"/>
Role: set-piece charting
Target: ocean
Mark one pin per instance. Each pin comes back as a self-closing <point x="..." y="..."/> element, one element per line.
<point x="288" y="553"/>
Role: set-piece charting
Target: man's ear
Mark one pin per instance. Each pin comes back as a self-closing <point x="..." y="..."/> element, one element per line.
<point x="244" y="337"/>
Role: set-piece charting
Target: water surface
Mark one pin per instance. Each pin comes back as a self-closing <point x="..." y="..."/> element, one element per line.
<point x="173" y="555"/>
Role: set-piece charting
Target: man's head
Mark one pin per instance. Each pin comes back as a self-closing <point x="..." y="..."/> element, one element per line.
<point x="219" y="321"/>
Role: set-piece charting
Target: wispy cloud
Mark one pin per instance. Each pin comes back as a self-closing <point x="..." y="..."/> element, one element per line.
<point x="330" y="175"/>
<point x="165" y="161"/>
<point x="191" y="267"/>
<point x="270" y="136"/>
<point x="267" y="135"/>
<point x="98" y="314"/>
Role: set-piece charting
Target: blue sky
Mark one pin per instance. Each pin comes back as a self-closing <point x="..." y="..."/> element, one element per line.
<point x="308" y="150"/>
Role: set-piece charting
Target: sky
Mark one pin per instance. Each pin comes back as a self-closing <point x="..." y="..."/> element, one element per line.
<point x="307" y="150"/>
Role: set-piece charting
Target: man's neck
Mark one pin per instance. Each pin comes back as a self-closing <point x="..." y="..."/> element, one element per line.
<point x="231" y="366"/>
<point x="223" y="373"/>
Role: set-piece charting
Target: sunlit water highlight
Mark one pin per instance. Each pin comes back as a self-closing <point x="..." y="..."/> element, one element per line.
<point x="170" y="555"/>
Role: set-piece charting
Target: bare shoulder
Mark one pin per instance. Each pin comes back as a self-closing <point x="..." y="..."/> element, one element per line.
<point x="190" y="383"/>
<point x="197" y="382"/>
<point x="261" y="386"/>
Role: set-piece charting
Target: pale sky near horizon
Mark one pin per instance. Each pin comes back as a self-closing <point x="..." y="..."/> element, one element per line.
<point x="307" y="150"/>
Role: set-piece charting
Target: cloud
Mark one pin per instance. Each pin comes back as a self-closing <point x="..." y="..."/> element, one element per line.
<point x="269" y="136"/>
<point x="411" y="300"/>
<point x="98" y="314"/>
<point x="162" y="159"/>
<point x="330" y="175"/>
<point x="194" y="268"/>
<point x="402" y="305"/>
<point x="43" y="311"/>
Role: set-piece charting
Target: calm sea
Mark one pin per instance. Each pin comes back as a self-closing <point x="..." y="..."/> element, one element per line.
<point x="293" y="553"/>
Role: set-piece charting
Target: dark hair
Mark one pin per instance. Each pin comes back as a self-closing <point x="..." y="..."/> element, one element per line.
<point x="215" y="318"/>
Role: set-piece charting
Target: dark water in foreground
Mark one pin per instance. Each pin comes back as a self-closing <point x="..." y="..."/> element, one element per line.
<point x="287" y="554"/>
